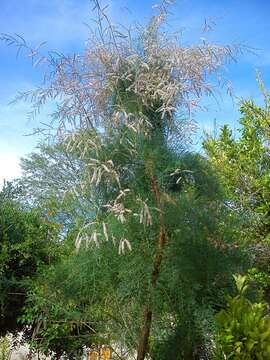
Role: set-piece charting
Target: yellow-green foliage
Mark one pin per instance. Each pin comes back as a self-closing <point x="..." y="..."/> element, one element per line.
<point x="244" y="328"/>
<point x="4" y="348"/>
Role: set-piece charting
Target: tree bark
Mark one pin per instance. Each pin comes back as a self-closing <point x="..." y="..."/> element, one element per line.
<point x="148" y="312"/>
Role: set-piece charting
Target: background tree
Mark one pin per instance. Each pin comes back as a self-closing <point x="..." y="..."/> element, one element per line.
<point x="242" y="161"/>
<point x="26" y="242"/>
<point x="51" y="181"/>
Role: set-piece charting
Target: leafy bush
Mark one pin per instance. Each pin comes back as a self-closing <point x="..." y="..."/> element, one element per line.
<point x="260" y="278"/>
<point x="26" y="243"/>
<point x="244" y="328"/>
<point x="4" y="348"/>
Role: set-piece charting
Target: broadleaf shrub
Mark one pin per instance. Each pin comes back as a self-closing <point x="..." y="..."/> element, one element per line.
<point x="244" y="327"/>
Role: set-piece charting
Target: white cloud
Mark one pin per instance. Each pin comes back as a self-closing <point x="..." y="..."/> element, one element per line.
<point x="9" y="167"/>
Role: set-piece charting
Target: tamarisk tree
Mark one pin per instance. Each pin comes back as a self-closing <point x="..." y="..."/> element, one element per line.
<point x="125" y="108"/>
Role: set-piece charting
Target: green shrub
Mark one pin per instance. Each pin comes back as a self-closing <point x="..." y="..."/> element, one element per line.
<point x="4" y="348"/>
<point x="260" y="278"/>
<point x="244" y="328"/>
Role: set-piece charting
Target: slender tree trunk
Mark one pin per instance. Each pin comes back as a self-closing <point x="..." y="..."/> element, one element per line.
<point x="143" y="342"/>
<point x="148" y="312"/>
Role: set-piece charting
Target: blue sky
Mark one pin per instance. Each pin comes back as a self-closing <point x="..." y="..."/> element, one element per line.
<point x="61" y="24"/>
